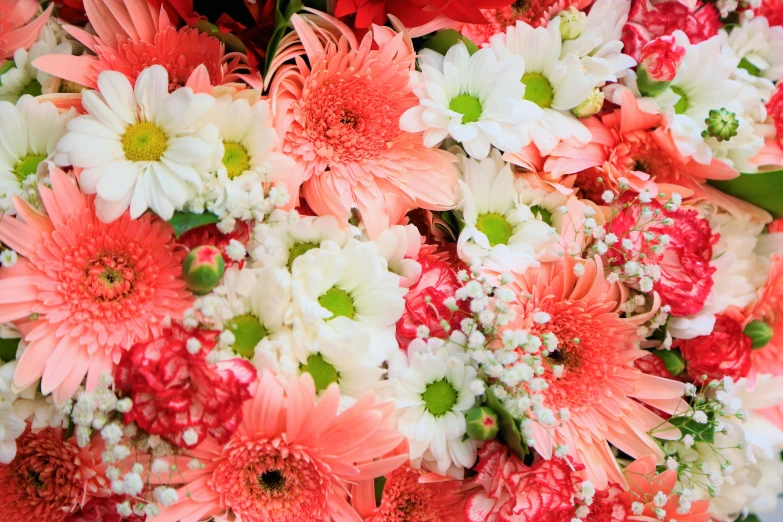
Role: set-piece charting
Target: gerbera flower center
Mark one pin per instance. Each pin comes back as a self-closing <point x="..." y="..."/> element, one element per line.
<point x="439" y="397"/>
<point x="467" y="105"/>
<point x="538" y="89"/>
<point x="109" y="277"/>
<point x="752" y="69"/>
<point x="682" y="104"/>
<point x="546" y="216"/>
<point x="322" y="372"/>
<point x="144" y="141"/>
<point x="272" y="480"/>
<point x="297" y="250"/>
<point x="235" y="158"/>
<point x="27" y="166"/>
<point x="248" y="332"/>
<point x="497" y="229"/>
<point x="337" y="301"/>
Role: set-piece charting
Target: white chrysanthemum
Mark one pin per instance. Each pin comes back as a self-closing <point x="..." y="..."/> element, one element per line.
<point x="555" y="84"/>
<point x="703" y="83"/>
<point x="759" y="47"/>
<point x="598" y="44"/>
<point x="348" y="295"/>
<point x="433" y="392"/>
<point x="246" y="156"/>
<point x="499" y="229"/>
<point x="399" y="245"/>
<point x="285" y="236"/>
<point x="11" y="428"/>
<point x="29" y="132"/>
<point x="23" y="78"/>
<point x="475" y="99"/>
<point x="138" y="146"/>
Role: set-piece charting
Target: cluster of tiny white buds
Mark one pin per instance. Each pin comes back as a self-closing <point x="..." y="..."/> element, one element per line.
<point x="8" y="258"/>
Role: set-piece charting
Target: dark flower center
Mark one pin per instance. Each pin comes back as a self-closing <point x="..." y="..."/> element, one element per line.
<point x="272" y="480"/>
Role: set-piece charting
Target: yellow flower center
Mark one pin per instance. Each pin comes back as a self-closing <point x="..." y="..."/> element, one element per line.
<point x="144" y="141"/>
<point x="297" y="250"/>
<point x="235" y="158"/>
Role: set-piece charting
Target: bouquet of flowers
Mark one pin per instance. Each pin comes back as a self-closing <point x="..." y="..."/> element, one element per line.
<point x="391" y="260"/>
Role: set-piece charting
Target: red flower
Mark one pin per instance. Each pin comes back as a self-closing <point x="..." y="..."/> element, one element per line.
<point x="175" y="391"/>
<point x="775" y="226"/>
<point x="609" y="506"/>
<point x="775" y="111"/>
<point x="210" y="235"/>
<point x="661" y="58"/>
<point x="725" y="352"/>
<point x="413" y="13"/>
<point x="647" y="21"/>
<point x="424" y="301"/>
<point x="686" y="274"/>
<point x="772" y="10"/>
<point x="103" y="510"/>
<point x="652" y="365"/>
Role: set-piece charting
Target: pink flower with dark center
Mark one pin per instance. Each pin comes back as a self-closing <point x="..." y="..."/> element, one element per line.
<point x="84" y="291"/>
<point x="661" y="58"/>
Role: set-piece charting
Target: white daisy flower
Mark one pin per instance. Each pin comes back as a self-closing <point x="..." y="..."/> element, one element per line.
<point x="246" y="156"/>
<point x="555" y="84"/>
<point x="139" y="147"/>
<point x="499" y="229"/>
<point x="433" y="392"/>
<point x="29" y="132"/>
<point x="348" y="295"/>
<point x="758" y="46"/>
<point x="399" y="245"/>
<point x="599" y="44"/>
<point x="475" y="99"/>
<point x="281" y="239"/>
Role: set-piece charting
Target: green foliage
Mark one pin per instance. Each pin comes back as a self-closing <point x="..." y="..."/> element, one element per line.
<point x="672" y="359"/>
<point x="509" y="430"/>
<point x="184" y="221"/>
<point x="699" y="432"/>
<point x="284" y="10"/>
<point x="8" y="349"/>
<point x="763" y="189"/>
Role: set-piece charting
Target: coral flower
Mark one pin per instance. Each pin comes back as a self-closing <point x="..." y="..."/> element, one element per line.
<point x="601" y="388"/>
<point x="413" y="13"/>
<point x="339" y="119"/>
<point x="50" y="478"/>
<point x="769" y="308"/>
<point x="18" y="26"/>
<point x="772" y="10"/>
<point x="131" y="36"/>
<point x="84" y="291"/>
<point x="289" y="457"/>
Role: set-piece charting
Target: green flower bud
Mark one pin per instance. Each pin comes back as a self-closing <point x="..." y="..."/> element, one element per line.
<point x="572" y="23"/>
<point x="203" y="268"/>
<point x="482" y="423"/>
<point x="760" y="334"/>
<point x="592" y="105"/>
<point x="721" y="125"/>
<point x="442" y="41"/>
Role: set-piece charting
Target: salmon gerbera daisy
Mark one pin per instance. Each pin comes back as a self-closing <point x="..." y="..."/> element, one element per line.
<point x="289" y="458"/>
<point x="340" y="121"/>
<point x="595" y="378"/>
<point x="83" y="291"/>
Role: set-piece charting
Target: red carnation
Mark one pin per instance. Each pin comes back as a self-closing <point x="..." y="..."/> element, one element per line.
<point x="211" y="235"/>
<point x="647" y="22"/>
<point x="775" y="111"/>
<point x="175" y="391"/>
<point x="725" y="352"/>
<point x="103" y="509"/>
<point x="686" y="273"/>
<point x="652" y="365"/>
<point x="772" y="10"/>
<point x="661" y="58"/>
<point x="775" y="226"/>
<point x="413" y="13"/>
<point x="424" y="301"/>
<point x="609" y="506"/>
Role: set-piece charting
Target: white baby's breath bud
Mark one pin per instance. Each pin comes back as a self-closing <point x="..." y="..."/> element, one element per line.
<point x="8" y="258"/>
<point x="190" y="437"/>
<point x="608" y="196"/>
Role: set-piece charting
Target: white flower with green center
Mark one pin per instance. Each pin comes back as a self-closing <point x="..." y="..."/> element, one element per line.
<point x="29" y="132"/>
<point x="477" y="100"/>
<point x="555" y="84"/>
<point x="348" y="295"/>
<point x="283" y="237"/>
<point x="499" y="229"/>
<point x="246" y="157"/>
<point x="139" y="147"/>
<point x="432" y="392"/>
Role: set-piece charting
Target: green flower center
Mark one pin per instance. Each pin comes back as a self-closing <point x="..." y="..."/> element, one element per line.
<point x="752" y="69"/>
<point x="144" y="141"/>
<point x="27" y="166"/>
<point x="682" y="105"/>
<point x="338" y="302"/>
<point x="323" y="373"/>
<point x="248" y="332"/>
<point x="439" y="397"/>
<point x="235" y="158"/>
<point x="546" y="216"/>
<point x="33" y="89"/>
<point x="538" y="90"/>
<point x="467" y="105"/>
<point x="495" y="227"/>
<point x="297" y="250"/>
<point x="272" y="480"/>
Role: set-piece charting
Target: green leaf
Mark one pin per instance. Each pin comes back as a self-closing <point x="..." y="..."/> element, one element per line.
<point x="763" y="189"/>
<point x="184" y="221"/>
<point x="699" y="432"/>
<point x="233" y="43"/>
<point x="380" y="483"/>
<point x="509" y="430"/>
<point x="672" y="359"/>
<point x="8" y="349"/>
<point x="749" y="518"/>
<point x="284" y="10"/>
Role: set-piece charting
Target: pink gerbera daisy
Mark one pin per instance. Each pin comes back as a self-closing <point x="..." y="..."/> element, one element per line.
<point x="18" y="28"/>
<point x="339" y="119"/>
<point x="84" y="291"/>
<point x="289" y="458"/>
<point x="131" y="36"/>
<point x="599" y="385"/>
